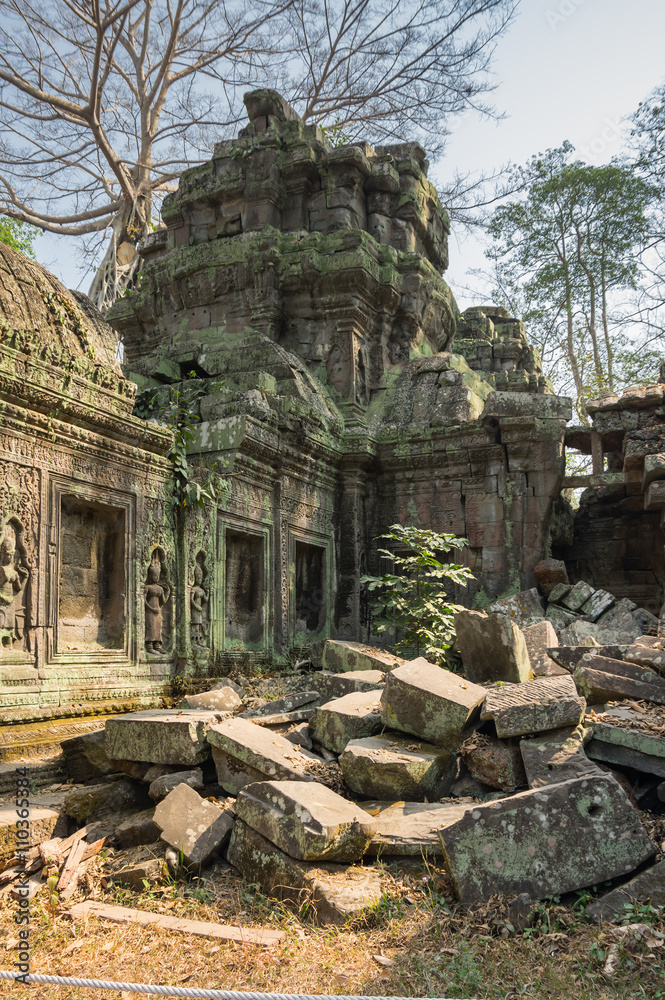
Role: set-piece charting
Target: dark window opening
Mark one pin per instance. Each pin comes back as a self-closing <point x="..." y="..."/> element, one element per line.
<point x="245" y="588"/>
<point x="310" y="604"/>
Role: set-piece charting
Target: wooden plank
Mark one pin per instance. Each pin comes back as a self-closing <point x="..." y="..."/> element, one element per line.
<point x="72" y="863"/>
<point x="223" y="932"/>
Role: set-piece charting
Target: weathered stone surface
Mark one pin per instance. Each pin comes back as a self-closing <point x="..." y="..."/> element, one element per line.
<point x="280" y="719"/>
<point x="646" y="656"/>
<point x="351" y="717"/>
<point x="549" y="573"/>
<point x="45" y="824"/>
<point x="162" y="786"/>
<point x="598" y="686"/>
<point x="546" y="703"/>
<point x="244" y="752"/>
<point x="617" y="626"/>
<point x="410" y="829"/>
<point x="558" y="756"/>
<point x="300" y="735"/>
<point x="192" y="825"/>
<point x="137" y="865"/>
<point x="619" y="744"/>
<point x="223" y="699"/>
<point x="86" y="757"/>
<point x="96" y="801"/>
<point x="281" y="706"/>
<point x="330" y="892"/>
<point x="538" y="638"/>
<point x="392" y="767"/>
<point x="558" y="592"/>
<point x="430" y="702"/>
<point x="496" y="763"/>
<point x="559" y="617"/>
<point x="546" y="841"/>
<point x="569" y="656"/>
<point x="599" y="602"/>
<point x="138" y="829"/>
<point x="647" y="887"/>
<point x="621" y="668"/>
<point x="577" y="596"/>
<point x="161" y="736"/>
<point x="523" y="608"/>
<point x="492" y="648"/>
<point x="332" y="686"/>
<point x="306" y="820"/>
<point x="337" y="657"/>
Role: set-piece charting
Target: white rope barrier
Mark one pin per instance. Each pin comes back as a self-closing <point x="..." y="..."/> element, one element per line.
<point x="177" y="991"/>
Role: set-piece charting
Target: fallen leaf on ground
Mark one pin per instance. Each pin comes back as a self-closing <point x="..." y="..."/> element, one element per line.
<point x="382" y="960"/>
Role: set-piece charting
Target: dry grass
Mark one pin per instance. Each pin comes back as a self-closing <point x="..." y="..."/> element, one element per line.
<point x="436" y="949"/>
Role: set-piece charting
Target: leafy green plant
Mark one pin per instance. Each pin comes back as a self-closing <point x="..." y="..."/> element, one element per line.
<point x="411" y="602"/>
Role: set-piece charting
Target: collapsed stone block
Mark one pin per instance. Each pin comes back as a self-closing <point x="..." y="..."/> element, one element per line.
<point x="558" y="592"/>
<point x="282" y="706"/>
<point x="45" y="824"/>
<point x="558" y="756"/>
<point x="97" y="801"/>
<point x="244" y="752"/>
<point x="391" y="767"/>
<point x="523" y="608"/>
<point x="162" y="786"/>
<point x="619" y="743"/>
<point x="351" y="717"/>
<point x="193" y="826"/>
<point x="599" y="685"/>
<point x="337" y="656"/>
<point x="306" y="820"/>
<point x="492" y="648"/>
<point x="161" y="736"/>
<point x="647" y="887"/>
<point x="494" y="762"/>
<point x="332" y="686"/>
<point x="599" y="602"/>
<point x="647" y="656"/>
<point x="550" y="573"/>
<point x="546" y="703"/>
<point x="546" y="842"/>
<point x="577" y="596"/>
<point x="410" y="829"/>
<point x="86" y="757"/>
<point x="223" y="699"/>
<point x="140" y="828"/>
<point x="327" y="891"/>
<point x="429" y="702"/>
<point x="137" y="865"/>
<point x="539" y="637"/>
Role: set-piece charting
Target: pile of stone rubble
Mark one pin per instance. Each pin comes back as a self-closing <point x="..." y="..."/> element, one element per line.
<point x="526" y="774"/>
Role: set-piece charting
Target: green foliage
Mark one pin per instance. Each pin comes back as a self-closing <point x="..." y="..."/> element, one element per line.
<point x="18" y="235"/>
<point x="335" y="134"/>
<point x="411" y="601"/>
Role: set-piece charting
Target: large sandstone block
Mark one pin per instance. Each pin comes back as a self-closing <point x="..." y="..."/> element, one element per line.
<point x="193" y="826"/>
<point x="492" y="648"/>
<point x="627" y="746"/>
<point x="162" y="786"/>
<point x="523" y="608"/>
<point x="546" y="703"/>
<point x="410" y="829"/>
<point x="539" y="637"/>
<point x="351" y="717"/>
<point x="140" y="828"/>
<point x="223" y="699"/>
<point x="497" y="763"/>
<point x="45" y="824"/>
<point x="332" y="686"/>
<point x="328" y="892"/>
<point x="161" y="736"/>
<point x="390" y="767"/>
<point x="577" y="596"/>
<point x="306" y="820"/>
<point x="546" y="841"/>
<point x="647" y="887"/>
<point x="98" y="801"/>
<point x="244" y="752"/>
<point x="549" y="573"/>
<point x="337" y="657"/>
<point x="430" y="702"/>
<point x="558" y="756"/>
<point x="599" y="686"/>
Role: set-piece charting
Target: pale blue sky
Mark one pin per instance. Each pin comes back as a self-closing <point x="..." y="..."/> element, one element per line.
<point x="567" y="69"/>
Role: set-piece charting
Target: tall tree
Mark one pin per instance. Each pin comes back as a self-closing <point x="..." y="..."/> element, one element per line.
<point x="571" y="243"/>
<point x="103" y="103"/>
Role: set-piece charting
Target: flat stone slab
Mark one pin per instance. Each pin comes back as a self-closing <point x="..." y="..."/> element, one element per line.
<point x="410" y="829"/>
<point x="392" y="767"/>
<point x="492" y="648"/>
<point x="497" y="763"/>
<point x="646" y="656"/>
<point x="332" y="686"/>
<point x="351" y="717"/>
<point x="546" y="703"/>
<point x="577" y="596"/>
<point x="137" y="865"/>
<point x="558" y="756"/>
<point x="630" y="747"/>
<point x="599" y="602"/>
<point x="220" y="700"/>
<point x="546" y="841"/>
<point x="647" y="887"/>
<point x="429" y="702"/>
<point x="599" y="686"/>
<point x="106" y="799"/>
<point x="327" y="891"/>
<point x="306" y="820"/>
<point x="138" y="829"/>
<point x="193" y="826"/>
<point x="161" y="736"/>
<point x="523" y="608"/>
<point x="164" y="785"/>
<point x="244" y="752"/>
<point x="283" y="706"/>
<point x="539" y="637"/>
<point x="337" y="656"/>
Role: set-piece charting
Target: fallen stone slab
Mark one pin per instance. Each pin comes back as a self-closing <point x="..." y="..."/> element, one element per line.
<point x="569" y="656"/>
<point x="558" y="592"/>
<point x="284" y="718"/>
<point x="262" y="936"/>
<point x="111" y="797"/>
<point x="164" y="785"/>
<point x="558" y="756"/>
<point x="410" y="829"/>
<point x="281" y="706"/>
<point x="430" y="702"/>
<point x="523" y="608"/>
<point x="622" y="668"/>
<point x="244" y="752"/>
<point x="306" y="820"/>
<point x="618" y="744"/>
<point x="550" y="573"/>
<point x="546" y="841"/>
<point x="598" y="686"/>
<point x="492" y="648"/>
<point x="137" y="865"/>
<point x="326" y="891"/>
<point x="497" y="763"/>
<point x="392" y="767"/>
<point x="646" y="656"/>
<point x="223" y="699"/>
<point x="86" y="757"/>
<point x="161" y="736"/>
<point x="332" y="686"/>
<point x="559" y="617"/>
<point x="300" y="735"/>
<point x="468" y="788"/>
<point x="539" y="637"/>
<point x="45" y="824"/>
<point x="618" y="625"/>
<point x="647" y="887"/>
<point x="138" y="829"/>
<point x="337" y="657"/>
<point x="546" y="703"/>
<point x="351" y="717"/>
<point x="578" y="595"/>
<point x="599" y="602"/>
<point x="194" y="827"/>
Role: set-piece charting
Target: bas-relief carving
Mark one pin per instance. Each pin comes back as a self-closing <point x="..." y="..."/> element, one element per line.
<point x="14" y="574"/>
<point x="198" y="604"/>
<point x="157" y="593"/>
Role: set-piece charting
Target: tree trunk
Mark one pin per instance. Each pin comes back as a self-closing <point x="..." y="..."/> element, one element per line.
<point x="120" y="267"/>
